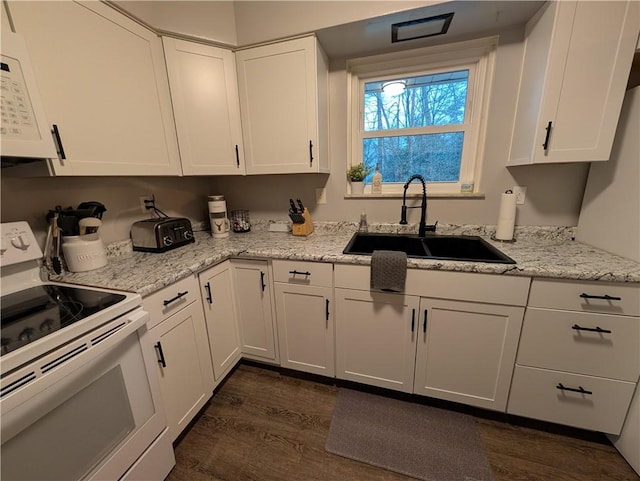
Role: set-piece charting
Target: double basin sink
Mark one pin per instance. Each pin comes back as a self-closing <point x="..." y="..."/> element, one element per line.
<point x="442" y="247"/>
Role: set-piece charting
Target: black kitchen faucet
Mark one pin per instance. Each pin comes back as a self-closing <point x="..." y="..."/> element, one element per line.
<point x="422" y="230"/>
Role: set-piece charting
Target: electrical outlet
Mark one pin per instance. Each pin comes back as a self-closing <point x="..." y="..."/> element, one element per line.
<point x="143" y="203"/>
<point x="521" y="193"/>
<point x="321" y="195"/>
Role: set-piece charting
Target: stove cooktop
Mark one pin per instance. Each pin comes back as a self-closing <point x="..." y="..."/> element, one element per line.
<point x="38" y="311"/>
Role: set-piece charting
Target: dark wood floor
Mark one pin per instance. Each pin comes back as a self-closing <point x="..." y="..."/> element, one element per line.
<point x="265" y="424"/>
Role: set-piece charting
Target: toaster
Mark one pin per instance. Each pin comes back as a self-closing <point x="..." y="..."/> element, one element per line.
<point x="162" y="234"/>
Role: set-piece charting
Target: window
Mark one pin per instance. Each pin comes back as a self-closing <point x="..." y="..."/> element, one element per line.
<point x="420" y="112"/>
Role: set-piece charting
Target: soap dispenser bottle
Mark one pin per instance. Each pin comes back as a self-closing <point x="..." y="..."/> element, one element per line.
<point x="376" y="184"/>
<point x="363" y="223"/>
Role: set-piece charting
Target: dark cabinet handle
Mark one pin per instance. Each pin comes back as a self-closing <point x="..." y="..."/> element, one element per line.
<point x="580" y="389"/>
<point x="56" y="135"/>
<point x="606" y="297"/>
<point x="424" y="326"/>
<point x="545" y="146"/>
<point x="326" y="309"/>
<point x="207" y="286"/>
<point x="173" y="299"/>
<point x="237" y="157"/>
<point x="262" y="284"/>
<point x="158" y="347"/>
<point x="413" y="319"/>
<point x="310" y="153"/>
<point x="307" y="273"/>
<point x="591" y="329"/>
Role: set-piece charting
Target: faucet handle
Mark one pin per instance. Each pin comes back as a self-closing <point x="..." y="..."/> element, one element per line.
<point x="431" y="227"/>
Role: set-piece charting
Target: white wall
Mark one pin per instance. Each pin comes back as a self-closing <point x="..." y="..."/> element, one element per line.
<point x="554" y="192"/>
<point x="610" y="216"/>
<point x="31" y="199"/>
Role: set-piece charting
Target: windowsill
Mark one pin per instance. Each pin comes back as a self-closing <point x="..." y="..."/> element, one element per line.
<point x="436" y="195"/>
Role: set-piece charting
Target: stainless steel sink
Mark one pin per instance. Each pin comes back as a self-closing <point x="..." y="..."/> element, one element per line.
<point x="445" y="247"/>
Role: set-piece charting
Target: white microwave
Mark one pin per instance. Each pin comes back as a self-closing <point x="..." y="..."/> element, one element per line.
<point x="24" y="131"/>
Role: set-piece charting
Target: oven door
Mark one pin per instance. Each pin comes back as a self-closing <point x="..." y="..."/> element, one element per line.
<point x="88" y="410"/>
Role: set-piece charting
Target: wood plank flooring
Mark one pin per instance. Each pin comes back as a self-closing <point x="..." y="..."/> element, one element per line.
<point x="266" y="424"/>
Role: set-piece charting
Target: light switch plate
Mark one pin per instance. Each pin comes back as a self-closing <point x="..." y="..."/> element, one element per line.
<point x="321" y="195"/>
<point x="521" y="193"/>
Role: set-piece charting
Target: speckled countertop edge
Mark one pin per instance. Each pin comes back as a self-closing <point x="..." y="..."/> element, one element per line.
<point x="538" y="251"/>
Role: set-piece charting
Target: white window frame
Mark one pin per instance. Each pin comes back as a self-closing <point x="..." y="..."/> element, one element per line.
<point x="477" y="56"/>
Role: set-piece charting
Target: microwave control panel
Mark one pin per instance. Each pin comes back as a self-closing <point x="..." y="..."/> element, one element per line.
<point x="18" y="119"/>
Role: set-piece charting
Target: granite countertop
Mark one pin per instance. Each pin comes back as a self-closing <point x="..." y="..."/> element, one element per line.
<point x="538" y="252"/>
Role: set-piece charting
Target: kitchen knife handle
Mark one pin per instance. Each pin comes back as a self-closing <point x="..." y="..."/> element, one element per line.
<point x="207" y="286"/>
<point x="591" y="329"/>
<point x="580" y="389"/>
<point x="262" y="284"/>
<point x="237" y="157"/>
<point x="310" y="153"/>
<point x="606" y="297"/>
<point x="545" y="146"/>
<point x="158" y="347"/>
<point x="58" y="139"/>
<point x="173" y="299"/>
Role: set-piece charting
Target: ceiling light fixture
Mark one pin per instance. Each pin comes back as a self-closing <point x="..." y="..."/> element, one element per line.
<point x="395" y="87"/>
<point x="423" y="27"/>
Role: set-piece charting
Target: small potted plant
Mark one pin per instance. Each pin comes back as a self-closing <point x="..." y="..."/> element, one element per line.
<point x="356" y="175"/>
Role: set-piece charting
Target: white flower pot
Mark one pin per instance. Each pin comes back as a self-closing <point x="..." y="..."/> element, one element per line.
<point x="357" y="188"/>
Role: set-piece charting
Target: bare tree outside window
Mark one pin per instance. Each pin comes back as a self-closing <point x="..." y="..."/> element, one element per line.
<point x="415" y="131"/>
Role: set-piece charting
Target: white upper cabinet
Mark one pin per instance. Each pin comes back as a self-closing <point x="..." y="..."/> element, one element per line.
<point x="103" y="83"/>
<point x="204" y="93"/>
<point x="577" y="58"/>
<point x="283" y="103"/>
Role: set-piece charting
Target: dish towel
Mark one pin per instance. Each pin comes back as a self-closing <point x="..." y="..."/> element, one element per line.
<point x="388" y="270"/>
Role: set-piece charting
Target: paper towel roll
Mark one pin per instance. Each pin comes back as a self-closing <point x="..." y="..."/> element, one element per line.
<point x="506" y="217"/>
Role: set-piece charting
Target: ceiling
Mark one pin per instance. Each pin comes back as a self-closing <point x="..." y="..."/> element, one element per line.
<point x="470" y="19"/>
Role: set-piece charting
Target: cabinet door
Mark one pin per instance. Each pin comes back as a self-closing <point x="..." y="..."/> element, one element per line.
<point x="253" y="302"/>
<point x="184" y="365"/>
<point x="376" y="338"/>
<point x="279" y="86"/>
<point x="219" y="310"/>
<point x="576" y="65"/>
<point x="204" y="95"/>
<point x="103" y="82"/>
<point x="466" y="351"/>
<point x="305" y="328"/>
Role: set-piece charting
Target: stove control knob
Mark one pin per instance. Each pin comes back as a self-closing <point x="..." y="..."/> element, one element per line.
<point x="4" y="342"/>
<point x="19" y="243"/>
<point x="167" y="240"/>
<point x="26" y="334"/>
<point x="188" y="234"/>
<point x="47" y="325"/>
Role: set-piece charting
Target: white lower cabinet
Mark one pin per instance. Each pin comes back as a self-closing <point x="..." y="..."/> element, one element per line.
<point x="461" y="351"/>
<point x="216" y="286"/>
<point x="177" y="328"/>
<point x="466" y="351"/>
<point x="304" y="310"/>
<point x="255" y="309"/>
<point x="579" y="357"/>
<point x="376" y="337"/>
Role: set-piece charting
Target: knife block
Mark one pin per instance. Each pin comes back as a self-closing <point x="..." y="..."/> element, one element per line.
<point x="303" y="229"/>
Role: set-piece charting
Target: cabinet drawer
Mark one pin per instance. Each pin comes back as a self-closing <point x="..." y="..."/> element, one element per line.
<point x="303" y="273"/>
<point x="461" y="286"/>
<point x="586" y="296"/>
<point x="171" y="299"/>
<point x="535" y="393"/>
<point x="562" y="340"/>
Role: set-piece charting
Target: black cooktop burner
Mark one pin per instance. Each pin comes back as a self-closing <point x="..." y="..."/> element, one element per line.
<point x="35" y="312"/>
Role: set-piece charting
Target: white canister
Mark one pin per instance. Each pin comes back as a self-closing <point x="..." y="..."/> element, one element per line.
<point x="84" y="252"/>
<point x="218" y="217"/>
